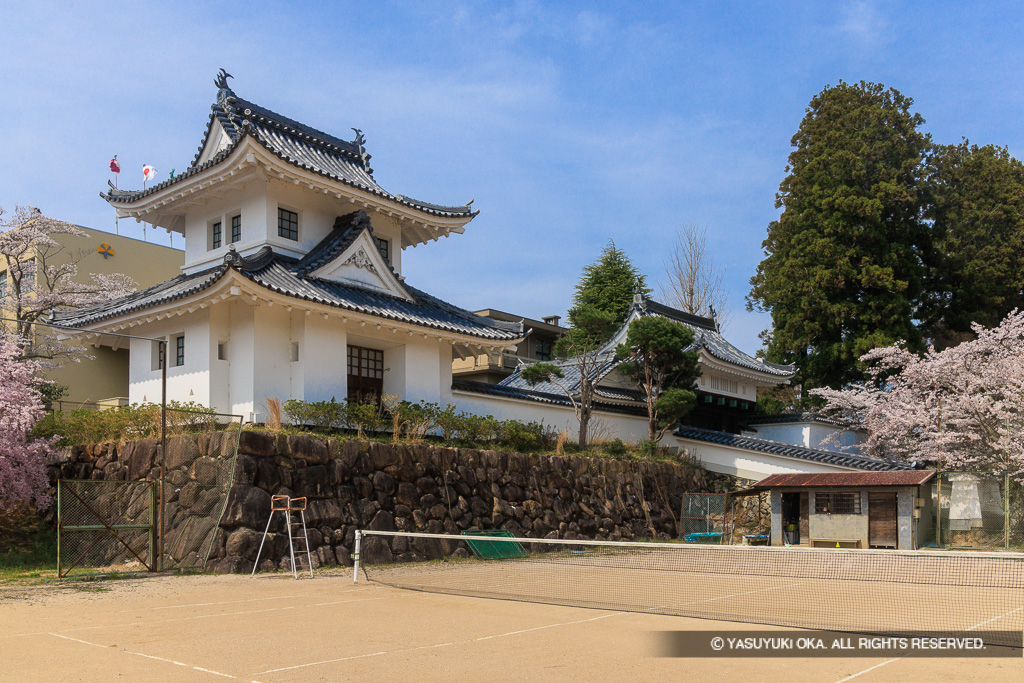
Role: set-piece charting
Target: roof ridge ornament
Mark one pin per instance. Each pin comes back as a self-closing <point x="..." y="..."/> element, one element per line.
<point x="232" y="258"/>
<point x="360" y="144"/>
<point x="221" y="81"/>
<point x="639" y="300"/>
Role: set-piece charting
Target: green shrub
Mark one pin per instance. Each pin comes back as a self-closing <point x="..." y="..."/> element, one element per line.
<point x="615" y="448"/>
<point x="138" y="421"/>
<point x="319" y="414"/>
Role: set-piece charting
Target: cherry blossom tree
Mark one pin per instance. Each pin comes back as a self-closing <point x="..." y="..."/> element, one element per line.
<point x="41" y="275"/>
<point x="22" y="458"/>
<point x="960" y="408"/>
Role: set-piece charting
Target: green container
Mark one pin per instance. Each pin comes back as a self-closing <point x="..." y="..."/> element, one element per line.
<point x="494" y="550"/>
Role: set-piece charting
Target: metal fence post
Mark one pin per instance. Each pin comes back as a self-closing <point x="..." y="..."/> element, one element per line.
<point x="152" y="526"/>
<point x="59" y="572"/>
<point x="1006" y="511"/>
<point x="355" y="564"/>
<point x="163" y="450"/>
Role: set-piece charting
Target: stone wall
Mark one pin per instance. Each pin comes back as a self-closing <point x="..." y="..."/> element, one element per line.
<point x="369" y="485"/>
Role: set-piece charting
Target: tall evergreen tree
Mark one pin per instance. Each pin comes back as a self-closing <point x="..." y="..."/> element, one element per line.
<point x="842" y="271"/>
<point x="976" y="264"/>
<point x="609" y="283"/>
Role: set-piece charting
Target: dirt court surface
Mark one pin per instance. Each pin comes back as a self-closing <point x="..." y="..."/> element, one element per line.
<point x="274" y="628"/>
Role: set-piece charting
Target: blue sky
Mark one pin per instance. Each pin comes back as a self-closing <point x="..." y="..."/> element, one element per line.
<point x="569" y="123"/>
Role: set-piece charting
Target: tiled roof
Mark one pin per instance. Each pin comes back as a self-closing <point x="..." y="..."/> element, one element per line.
<point x="540" y="396"/>
<point x="602" y="364"/>
<point x="708" y="337"/>
<point x="299" y="145"/>
<point x="860" y="462"/>
<point x="894" y="478"/>
<point x="286" y="275"/>
<point x="787" y="418"/>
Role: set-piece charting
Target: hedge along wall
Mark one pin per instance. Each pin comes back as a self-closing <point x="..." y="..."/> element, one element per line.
<point x="368" y="485"/>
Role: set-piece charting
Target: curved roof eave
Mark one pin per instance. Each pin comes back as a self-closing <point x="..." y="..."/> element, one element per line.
<point x="121" y="198"/>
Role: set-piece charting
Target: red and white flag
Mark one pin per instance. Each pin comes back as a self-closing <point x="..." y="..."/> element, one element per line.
<point x="114" y="166"/>
<point x="148" y="172"/>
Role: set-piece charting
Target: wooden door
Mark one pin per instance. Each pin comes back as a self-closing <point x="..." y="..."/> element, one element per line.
<point x="882" y="520"/>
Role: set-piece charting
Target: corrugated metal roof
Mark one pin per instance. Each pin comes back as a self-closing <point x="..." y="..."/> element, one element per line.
<point x="822" y="479"/>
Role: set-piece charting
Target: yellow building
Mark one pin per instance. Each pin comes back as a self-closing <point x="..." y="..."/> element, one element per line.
<point x="104" y="377"/>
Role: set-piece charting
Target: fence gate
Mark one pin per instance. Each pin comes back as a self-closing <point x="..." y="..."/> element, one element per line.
<point x="703" y="517"/>
<point x="105" y="527"/>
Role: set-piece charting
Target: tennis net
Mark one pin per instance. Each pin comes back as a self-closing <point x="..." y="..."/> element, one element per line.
<point x="857" y="591"/>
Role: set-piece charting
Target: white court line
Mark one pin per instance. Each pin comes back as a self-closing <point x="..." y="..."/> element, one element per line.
<point x="427" y="647"/>
<point x="226" y="602"/>
<point x="231" y="602"/>
<point x="144" y="655"/>
<point x="890" y="661"/>
<point x="200" y="616"/>
<point x="1013" y="611"/>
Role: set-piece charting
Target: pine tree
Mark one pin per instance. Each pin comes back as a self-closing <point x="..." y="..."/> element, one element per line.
<point x="842" y="272"/>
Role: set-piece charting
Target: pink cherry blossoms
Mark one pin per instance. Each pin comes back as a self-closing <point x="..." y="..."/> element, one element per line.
<point x="961" y="408"/>
<point x="22" y="458"/>
<point x="42" y="274"/>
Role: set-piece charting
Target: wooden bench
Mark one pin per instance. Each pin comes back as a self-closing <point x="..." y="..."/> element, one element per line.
<point x="836" y="542"/>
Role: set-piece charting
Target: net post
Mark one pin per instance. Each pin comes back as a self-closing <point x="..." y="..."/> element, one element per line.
<point x="355" y="563"/>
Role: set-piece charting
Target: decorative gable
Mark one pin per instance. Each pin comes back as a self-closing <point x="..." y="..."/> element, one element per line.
<point x="216" y="140"/>
<point x="362" y="264"/>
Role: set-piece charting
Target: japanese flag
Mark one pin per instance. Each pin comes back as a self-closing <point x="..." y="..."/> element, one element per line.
<point x="148" y="172"/>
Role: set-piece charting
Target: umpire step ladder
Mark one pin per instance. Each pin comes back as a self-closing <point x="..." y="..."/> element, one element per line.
<point x="296" y="533"/>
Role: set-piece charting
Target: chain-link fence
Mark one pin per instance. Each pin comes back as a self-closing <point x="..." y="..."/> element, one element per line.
<point x="168" y="521"/>
<point x="978" y="510"/>
<point x="105" y="527"/>
<point x="703" y="517"/>
<point x="197" y="475"/>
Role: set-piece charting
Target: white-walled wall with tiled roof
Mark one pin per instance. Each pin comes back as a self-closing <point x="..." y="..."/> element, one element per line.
<point x="257" y="202"/>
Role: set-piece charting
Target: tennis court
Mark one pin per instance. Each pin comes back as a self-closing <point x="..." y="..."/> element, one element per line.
<point x="274" y="628"/>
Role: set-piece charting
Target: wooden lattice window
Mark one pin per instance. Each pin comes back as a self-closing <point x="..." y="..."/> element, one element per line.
<point x="365" y="374"/>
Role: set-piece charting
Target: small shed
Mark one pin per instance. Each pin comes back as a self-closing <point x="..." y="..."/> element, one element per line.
<point x="851" y="509"/>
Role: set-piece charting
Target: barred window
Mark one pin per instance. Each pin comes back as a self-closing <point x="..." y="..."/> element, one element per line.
<point x="383" y="245"/>
<point x="216" y="235"/>
<point x="288" y="224"/>
<point x="844" y="503"/>
<point x="179" y="350"/>
<point x="236" y="228"/>
<point x="3" y="285"/>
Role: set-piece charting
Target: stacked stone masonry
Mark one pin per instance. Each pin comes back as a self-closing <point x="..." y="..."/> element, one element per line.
<point x="354" y="485"/>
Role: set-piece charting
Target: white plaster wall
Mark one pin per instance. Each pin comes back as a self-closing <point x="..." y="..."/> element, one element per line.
<point x="220" y="370"/>
<point x="324" y="359"/>
<point x="241" y="358"/>
<point x="258" y="202"/>
<point x="417" y="369"/>
<point x="808" y="434"/>
<point x="750" y="464"/>
<point x="250" y="202"/>
<point x="272" y="371"/>
<point x="817" y="434"/>
<point x="603" y="426"/>
<point x="189" y="382"/>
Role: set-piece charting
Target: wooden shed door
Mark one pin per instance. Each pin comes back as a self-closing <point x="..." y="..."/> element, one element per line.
<point x="882" y="520"/>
